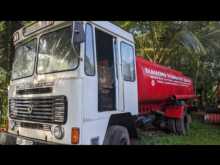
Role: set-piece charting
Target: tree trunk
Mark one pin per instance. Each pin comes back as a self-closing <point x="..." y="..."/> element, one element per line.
<point x="11" y="27"/>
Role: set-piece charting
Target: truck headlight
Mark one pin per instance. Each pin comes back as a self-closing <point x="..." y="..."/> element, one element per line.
<point x="58" y="132"/>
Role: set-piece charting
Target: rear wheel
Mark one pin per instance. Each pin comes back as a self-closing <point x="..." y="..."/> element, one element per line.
<point x="117" y="135"/>
<point x="171" y="125"/>
<point x="182" y="124"/>
<point x="179" y="126"/>
<point x="187" y="121"/>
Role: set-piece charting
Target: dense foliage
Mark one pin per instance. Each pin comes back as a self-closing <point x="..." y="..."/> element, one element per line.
<point x="7" y="29"/>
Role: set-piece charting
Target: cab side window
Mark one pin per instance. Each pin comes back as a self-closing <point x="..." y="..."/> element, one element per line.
<point x="89" y="52"/>
<point x="128" y="63"/>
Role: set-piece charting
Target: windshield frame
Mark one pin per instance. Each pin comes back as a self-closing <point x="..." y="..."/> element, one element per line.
<point x="38" y="50"/>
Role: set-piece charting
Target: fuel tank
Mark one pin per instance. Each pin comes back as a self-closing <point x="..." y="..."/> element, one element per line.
<point x="159" y="83"/>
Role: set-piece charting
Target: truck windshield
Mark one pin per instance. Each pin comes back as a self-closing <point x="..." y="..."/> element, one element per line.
<point x="23" y="65"/>
<point x="56" y="52"/>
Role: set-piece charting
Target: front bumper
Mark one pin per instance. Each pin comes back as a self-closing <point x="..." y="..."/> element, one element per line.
<point x="10" y="139"/>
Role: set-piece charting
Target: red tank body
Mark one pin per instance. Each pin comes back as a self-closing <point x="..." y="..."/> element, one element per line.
<point x="157" y="83"/>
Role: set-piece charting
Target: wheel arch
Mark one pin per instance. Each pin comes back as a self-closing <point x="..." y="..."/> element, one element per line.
<point x="126" y="120"/>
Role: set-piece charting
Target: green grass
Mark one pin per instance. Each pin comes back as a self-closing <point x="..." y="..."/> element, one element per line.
<point x="200" y="134"/>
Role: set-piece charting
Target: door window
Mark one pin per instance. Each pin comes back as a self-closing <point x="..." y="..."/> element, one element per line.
<point x="128" y="67"/>
<point x="89" y="66"/>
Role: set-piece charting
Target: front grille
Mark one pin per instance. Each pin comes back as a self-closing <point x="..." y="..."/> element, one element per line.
<point x="34" y="91"/>
<point x="39" y="109"/>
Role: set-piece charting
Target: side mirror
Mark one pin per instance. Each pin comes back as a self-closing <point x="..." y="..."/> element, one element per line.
<point x="78" y="33"/>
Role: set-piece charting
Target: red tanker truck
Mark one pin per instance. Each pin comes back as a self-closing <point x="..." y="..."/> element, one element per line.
<point x="164" y="92"/>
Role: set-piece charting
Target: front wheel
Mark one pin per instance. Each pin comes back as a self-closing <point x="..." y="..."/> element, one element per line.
<point x="182" y="124"/>
<point x="117" y="135"/>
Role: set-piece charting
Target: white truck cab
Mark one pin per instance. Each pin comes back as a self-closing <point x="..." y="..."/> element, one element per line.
<point x="73" y="83"/>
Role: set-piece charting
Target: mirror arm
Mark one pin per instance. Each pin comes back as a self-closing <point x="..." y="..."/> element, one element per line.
<point x="72" y="41"/>
<point x="78" y="31"/>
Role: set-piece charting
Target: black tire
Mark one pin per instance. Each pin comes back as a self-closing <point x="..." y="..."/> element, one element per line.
<point x="117" y="135"/>
<point x="171" y="125"/>
<point x="187" y="121"/>
<point x="189" y="118"/>
<point x="180" y="126"/>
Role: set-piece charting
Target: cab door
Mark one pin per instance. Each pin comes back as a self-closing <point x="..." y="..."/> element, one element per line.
<point x="129" y="79"/>
<point x="90" y="86"/>
<point x="100" y="81"/>
<point x="107" y="74"/>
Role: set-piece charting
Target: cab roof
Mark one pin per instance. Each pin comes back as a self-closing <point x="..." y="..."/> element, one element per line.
<point x="105" y="25"/>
